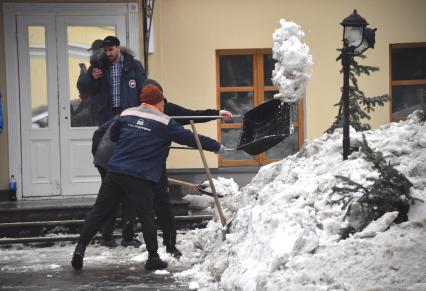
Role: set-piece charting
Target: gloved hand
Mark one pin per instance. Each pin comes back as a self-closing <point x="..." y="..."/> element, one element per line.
<point x="222" y="150"/>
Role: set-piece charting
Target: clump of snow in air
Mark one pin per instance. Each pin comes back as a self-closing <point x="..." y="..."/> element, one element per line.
<point x="284" y="235"/>
<point x="291" y="73"/>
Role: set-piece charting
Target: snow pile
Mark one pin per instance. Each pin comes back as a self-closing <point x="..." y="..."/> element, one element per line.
<point x="293" y="62"/>
<point x="285" y="235"/>
<point x="223" y="187"/>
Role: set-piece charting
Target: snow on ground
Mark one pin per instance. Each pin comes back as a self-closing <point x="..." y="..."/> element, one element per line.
<point x="223" y="187"/>
<point x="284" y="235"/>
<point x="23" y="258"/>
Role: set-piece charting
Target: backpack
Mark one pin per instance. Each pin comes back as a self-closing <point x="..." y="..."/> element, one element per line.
<point x="99" y="133"/>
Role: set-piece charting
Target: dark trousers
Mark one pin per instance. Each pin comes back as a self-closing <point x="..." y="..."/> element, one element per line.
<point x="128" y="217"/>
<point x="118" y="188"/>
<point x="163" y="210"/>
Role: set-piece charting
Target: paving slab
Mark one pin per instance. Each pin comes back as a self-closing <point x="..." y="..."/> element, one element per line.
<point x="30" y="268"/>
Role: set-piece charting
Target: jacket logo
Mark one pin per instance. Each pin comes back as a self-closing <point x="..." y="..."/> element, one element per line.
<point x="140" y="122"/>
<point x="132" y="84"/>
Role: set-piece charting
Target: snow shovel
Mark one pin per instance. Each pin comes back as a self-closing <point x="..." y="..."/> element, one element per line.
<point x="265" y="126"/>
<point x="225" y="227"/>
<point x="198" y="187"/>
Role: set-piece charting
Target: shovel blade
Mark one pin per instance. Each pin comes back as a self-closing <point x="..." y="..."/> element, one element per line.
<point x="265" y="126"/>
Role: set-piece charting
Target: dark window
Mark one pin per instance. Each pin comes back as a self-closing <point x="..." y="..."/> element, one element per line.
<point x="245" y="82"/>
<point x="408" y="78"/>
<point x="236" y="71"/>
<point x="406" y="99"/>
<point x="409" y="63"/>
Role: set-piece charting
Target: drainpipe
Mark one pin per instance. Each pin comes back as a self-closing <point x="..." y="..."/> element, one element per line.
<point x="147" y="13"/>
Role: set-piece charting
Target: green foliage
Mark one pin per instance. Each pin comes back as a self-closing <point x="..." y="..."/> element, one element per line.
<point x="359" y="105"/>
<point x="389" y="192"/>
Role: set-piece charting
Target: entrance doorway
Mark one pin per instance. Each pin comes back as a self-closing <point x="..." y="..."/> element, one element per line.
<point x="55" y="128"/>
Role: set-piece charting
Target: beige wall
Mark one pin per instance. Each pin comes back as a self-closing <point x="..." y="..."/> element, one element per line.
<point x="187" y="33"/>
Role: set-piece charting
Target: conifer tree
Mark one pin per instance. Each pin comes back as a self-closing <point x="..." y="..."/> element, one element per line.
<point x="388" y="192"/>
<point x="359" y="105"/>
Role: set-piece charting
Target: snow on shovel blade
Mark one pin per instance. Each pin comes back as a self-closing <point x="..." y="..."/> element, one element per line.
<point x="265" y="126"/>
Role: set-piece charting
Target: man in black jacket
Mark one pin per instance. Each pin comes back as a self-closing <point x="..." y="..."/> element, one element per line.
<point x="102" y="151"/>
<point x="115" y="79"/>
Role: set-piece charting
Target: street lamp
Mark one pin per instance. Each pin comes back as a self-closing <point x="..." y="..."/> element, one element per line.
<point x="357" y="38"/>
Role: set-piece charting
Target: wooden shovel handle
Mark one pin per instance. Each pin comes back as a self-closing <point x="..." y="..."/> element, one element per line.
<point x="182" y="183"/>
<point x="209" y="176"/>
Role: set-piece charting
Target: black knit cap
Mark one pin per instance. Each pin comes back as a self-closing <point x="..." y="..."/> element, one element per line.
<point x="110" y="41"/>
<point x="97" y="44"/>
<point x="152" y="82"/>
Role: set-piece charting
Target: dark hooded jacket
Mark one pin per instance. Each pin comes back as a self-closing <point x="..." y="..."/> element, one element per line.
<point x="132" y="78"/>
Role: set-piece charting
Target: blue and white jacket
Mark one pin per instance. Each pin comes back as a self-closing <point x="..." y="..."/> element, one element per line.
<point x="143" y="135"/>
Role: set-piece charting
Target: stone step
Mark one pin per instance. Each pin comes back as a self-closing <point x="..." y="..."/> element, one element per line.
<point x="61" y="209"/>
<point x="41" y="228"/>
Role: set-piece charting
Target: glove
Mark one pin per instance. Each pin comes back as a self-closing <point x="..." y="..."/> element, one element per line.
<point x="222" y="150"/>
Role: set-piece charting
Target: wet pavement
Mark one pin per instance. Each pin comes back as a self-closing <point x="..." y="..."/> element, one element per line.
<point x="105" y="277"/>
<point x="49" y="268"/>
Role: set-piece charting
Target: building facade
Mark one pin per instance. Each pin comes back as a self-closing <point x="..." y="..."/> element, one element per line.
<point x="206" y="54"/>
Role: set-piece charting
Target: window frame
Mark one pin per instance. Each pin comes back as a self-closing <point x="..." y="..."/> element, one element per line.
<point x="393" y="83"/>
<point x="258" y="90"/>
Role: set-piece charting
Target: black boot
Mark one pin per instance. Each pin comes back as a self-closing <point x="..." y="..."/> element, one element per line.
<point x="173" y="251"/>
<point x="77" y="257"/>
<point x="155" y="263"/>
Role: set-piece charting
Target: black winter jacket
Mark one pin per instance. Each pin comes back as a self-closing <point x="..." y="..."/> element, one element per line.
<point x="132" y="78"/>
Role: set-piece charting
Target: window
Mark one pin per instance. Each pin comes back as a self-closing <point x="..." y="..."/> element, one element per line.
<point x="408" y="78"/>
<point x="244" y="82"/>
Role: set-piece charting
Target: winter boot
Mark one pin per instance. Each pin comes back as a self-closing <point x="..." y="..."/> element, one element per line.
<point x="77" y="257"/>
<point x="155" y="263"/>
<point x="173" y="251"/>
<point x="132" y="243"/>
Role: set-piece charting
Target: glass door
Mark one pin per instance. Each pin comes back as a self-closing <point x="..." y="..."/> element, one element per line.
<point x="56" y="124"/>
<point x="39" y="106"/>
<point x="76" y="120"/>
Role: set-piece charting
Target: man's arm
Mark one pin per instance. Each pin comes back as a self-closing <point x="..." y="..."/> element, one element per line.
<point x="172" y="109"/>
<point x="86" y="82"/>
<point x="186" y="137"/>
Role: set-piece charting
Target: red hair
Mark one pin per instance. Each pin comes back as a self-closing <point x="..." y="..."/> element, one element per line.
<point x="151" y="94"/>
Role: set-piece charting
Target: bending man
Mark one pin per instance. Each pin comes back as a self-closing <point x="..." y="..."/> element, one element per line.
<point x="143" y="135"/>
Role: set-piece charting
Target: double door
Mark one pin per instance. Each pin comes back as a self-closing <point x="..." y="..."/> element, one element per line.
<point x="56" y="121"/>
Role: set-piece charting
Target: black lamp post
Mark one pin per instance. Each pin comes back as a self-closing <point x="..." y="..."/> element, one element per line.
<point x="357" y="38"/>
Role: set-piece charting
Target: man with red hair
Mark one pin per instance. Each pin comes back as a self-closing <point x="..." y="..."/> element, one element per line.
<point x="102" y="150"/>
<point x="143" y="135"/>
